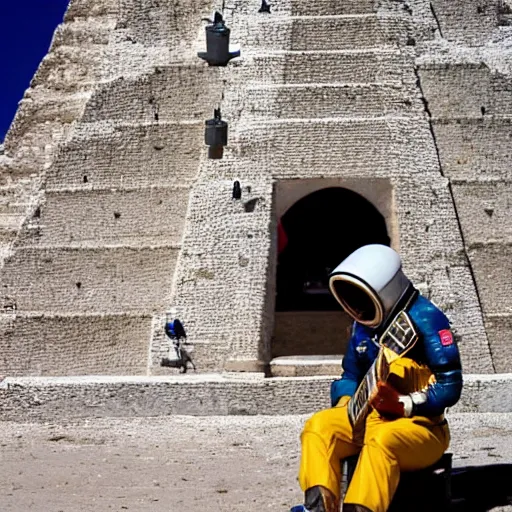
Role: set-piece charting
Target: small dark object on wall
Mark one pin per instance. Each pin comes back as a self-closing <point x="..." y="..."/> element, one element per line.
<point x="265" y="7"/>
<point x="216" y="135"/>
<point x="217" y="43"/>
<point x="250" y="205"/>
<point x="237" y="190"/>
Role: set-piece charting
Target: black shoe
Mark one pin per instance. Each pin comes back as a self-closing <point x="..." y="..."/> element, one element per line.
<point x="355" y="508"/>
<point x="320" y="499"/>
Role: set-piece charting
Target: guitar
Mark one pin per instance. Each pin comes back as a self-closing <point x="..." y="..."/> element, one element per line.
<point x="396" y="341"/>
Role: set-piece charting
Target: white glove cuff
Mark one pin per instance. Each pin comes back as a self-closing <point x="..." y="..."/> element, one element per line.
<point x="408" y="405"/>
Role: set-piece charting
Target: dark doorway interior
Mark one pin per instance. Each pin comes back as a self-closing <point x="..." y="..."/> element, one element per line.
<point x="320" y="230"/>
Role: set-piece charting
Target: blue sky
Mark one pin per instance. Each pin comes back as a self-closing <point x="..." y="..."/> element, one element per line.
<point x="26" y="29"/>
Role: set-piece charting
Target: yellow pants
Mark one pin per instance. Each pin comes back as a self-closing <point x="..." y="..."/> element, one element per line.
<point x="390" y="446"/>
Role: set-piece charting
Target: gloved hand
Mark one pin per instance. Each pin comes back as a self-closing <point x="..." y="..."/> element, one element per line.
<point x="388" y="402"/>
<point x="343" y="401"/>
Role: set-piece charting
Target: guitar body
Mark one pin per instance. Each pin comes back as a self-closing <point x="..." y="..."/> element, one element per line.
<point x="396" y="341"/>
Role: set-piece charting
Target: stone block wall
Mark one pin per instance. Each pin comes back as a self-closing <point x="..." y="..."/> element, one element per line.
<point x="467" y="81"/>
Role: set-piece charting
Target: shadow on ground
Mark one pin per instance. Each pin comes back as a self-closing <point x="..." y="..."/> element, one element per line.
<point x="481" y="488"/>
<point x="473" y="489"/>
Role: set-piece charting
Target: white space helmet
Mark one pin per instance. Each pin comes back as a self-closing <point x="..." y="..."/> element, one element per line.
<point x="369" y="283"/>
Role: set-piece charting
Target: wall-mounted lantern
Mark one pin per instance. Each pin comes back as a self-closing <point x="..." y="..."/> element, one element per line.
<point x="216" y="135"/>
<point x="217" y="43"/>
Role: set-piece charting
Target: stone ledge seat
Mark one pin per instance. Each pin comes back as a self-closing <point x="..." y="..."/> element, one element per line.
<point x="424" y="490"/>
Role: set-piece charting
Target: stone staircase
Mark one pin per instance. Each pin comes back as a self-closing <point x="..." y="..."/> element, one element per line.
<point x="470" y="97"/>
<point x="48" y="111"/>
<point x="94" y="263"/>
<point x="306" y="366"/>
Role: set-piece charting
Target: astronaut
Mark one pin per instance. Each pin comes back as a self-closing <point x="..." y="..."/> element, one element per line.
<point x="403" y="428"/>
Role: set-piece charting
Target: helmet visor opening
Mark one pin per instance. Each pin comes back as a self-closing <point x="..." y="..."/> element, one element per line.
<point x="357" y="301"/>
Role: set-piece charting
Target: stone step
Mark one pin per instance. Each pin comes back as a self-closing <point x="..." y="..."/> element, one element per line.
<point x="466" y="90"/>
<point x="80" y="32"/>
<point x="136" y="217"/>
<point x="469" y="146"/>
<point x="306" y="366"/>
<point x="331" y="147"/>
<point x="331" y="100"/>
<point x="104" y="11"/>
<point x="41" y="123"/>
<point x="173" y="25"/>
<point x="261" y="34"/>
<point x="7" y="238"/>
<point x="129" y="156"/>
<point x="168" y="94"/>
<point x="318" y="7"/>
<point x="10" y="225"/>
<point x="472" y="24"/>
<point x="51" y="398"/>
<point x="499" y="334"/>
<point x="303" y="333"/>
<point x="89" y="279"/>
<point x="492" y="267"/>
<point x="8" y="232"/>
<point x="347" y="7"/>
<point x="11" y="219"/>
<point x="58" y="74"/>
<point x="14" y="205"/>
<point x="485" y="210"/>
<point x="386" y="66"/>
<point x="74" y="344"/>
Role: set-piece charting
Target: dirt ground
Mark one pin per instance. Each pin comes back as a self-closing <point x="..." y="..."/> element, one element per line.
<point x="177" y="464"/>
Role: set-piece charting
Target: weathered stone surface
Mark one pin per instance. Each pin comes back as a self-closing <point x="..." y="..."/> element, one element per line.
<point x="74" y="344"/>
<point x="54" y="102"/>
<point x="169" y="93"/>
<point x="92" y="280"/>
<point x="118" y="157"/>
<point x="475" y="148"/>
<point x="318" y="8"/>
<point x="174" y="24"/>
<point x="485" y="211"/>
<point x="133" y="217"/>
<point x="471" y="22"/>
<point x="334" y="8"/>
<point x="493" y="272"/>
<point x="468" y="90"/>
<point x="465" y="90"/>
<point x="317" y="33"/>
<point x="44" y="399"/>
<point x="328" y="101"/>
<point x="304" y="148"/>
<point x="385" y="66"/>
<point x="499" y="328"/>
<point x="306" y="366"/>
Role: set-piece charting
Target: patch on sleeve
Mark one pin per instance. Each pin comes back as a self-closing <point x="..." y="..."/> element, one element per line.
<point x="446" y="337"/>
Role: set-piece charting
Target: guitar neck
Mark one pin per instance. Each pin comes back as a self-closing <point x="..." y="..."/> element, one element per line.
<point x="359" y="404"/>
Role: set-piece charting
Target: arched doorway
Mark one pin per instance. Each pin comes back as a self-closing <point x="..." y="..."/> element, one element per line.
<point x="317" y="233"/>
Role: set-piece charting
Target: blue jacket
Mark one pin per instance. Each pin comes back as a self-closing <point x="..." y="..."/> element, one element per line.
<point x="434" y="348"/>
